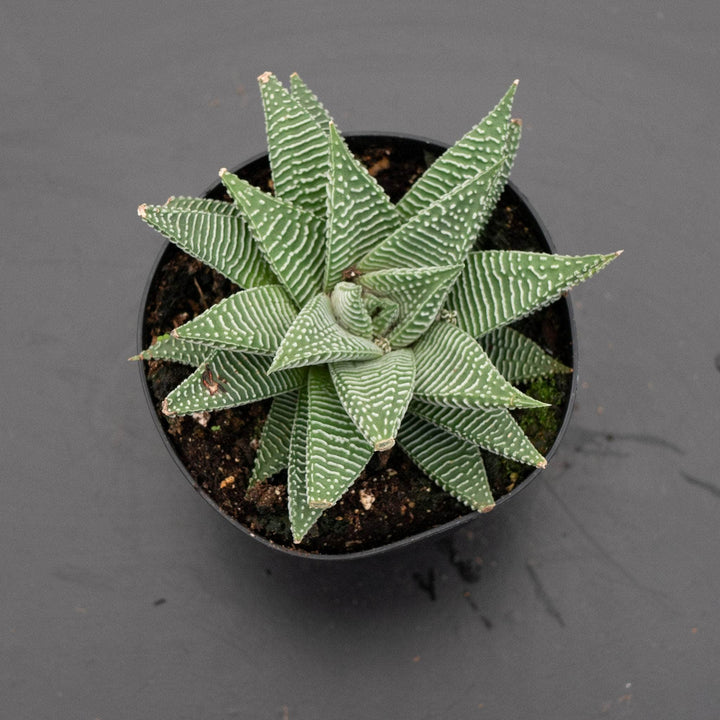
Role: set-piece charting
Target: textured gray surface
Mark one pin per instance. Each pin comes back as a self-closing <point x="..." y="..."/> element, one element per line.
<point x="124" y="596"/>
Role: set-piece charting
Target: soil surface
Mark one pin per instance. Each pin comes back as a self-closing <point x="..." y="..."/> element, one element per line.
<point x="392" y="498"/>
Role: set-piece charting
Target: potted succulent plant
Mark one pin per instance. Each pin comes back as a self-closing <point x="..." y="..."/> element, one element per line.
<point x="353" y="325"/>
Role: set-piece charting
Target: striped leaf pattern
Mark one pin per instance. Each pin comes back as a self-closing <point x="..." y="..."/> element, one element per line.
<point x="511" y="149"/>
<point x="454" y="371"/>
<point x="253" y="320"/>
<point x="315" y="338"/>
<point x="383" y="311"/>
<point x="215" y="233"/>
<point x="494" y="429"/>
<point x="517" y="358"/>
<point x="499" y="286"/>
<point x="376" y="394"/>
<point x="274" y="449"/>
<point x="359" y="213"/>
<point x="350" y="310"/>
<point x="297" y="147"/>
<point x="286" y="235"/>
<point x="419" y="294"/>
<point x="302" y="516"/>
<point x="167" y="347"/>
<point x="336" y="450"/>
<point x="476" y="152"/>
<point x="441" y="234"/>
<point x="228" y="379"/>
<point x="309" y="102"/>
<point x="509" y="153"/>
<point x="456" y="465"/>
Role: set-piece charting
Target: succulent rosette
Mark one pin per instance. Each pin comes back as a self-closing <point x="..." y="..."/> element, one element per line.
<point x="367" y="322"/>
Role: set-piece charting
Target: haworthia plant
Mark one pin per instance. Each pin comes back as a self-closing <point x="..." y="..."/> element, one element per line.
<point x="367" y="322"/>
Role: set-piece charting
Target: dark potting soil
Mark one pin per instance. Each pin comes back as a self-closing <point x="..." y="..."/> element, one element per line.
<point x="392" y="498"/>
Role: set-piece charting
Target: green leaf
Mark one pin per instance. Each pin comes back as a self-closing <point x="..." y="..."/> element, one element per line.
<point x="477" y="151"/>
<point x="350" y="310"/>
<point x="336" y="450"/>
<point x="308" y="100"/>
<point x="441" y="234"/>
<point x="274" y="448"/>
<point x="359" y="213"/>
<point x="214" y="232"/>
<point x="315" y="338"/>
<point x="383" y="312"/>
<point x="419" y="294"/>
<point x="297" y="146"/>
<point x="494" y="429"/>
<point x="499" y="286"/>
<point x="167" y="347"/>
<point x="376" y="393"/>
<point x="452" y="370"/>
<point x="454" y="464"/>
<point x="228" y="379"/>
<point x="253" y="320"/>
<point x="302" y="516"/>
<point x="511" y="148"/>
<point x="518" y="358"/>
<point x="286" y="234"/>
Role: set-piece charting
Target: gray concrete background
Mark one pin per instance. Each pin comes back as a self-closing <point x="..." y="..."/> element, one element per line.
<point x="124" y="596"/>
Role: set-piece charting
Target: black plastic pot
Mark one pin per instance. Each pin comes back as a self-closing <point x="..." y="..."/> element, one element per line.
<point x="538" y="239"/>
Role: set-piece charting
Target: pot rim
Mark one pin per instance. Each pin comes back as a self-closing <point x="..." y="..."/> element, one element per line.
<point x="442" y="529"/>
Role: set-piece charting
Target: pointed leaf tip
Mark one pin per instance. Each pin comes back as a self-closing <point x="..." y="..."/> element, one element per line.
<point x="142" y="210"/>
<point x="319" y="504"/>
<point x="383" y="445"/>
<point x="265" y="77"/>
<point x="222" y="172"/>
<point x="516" y="82"/>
